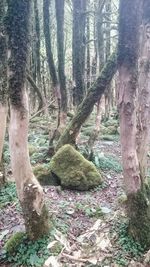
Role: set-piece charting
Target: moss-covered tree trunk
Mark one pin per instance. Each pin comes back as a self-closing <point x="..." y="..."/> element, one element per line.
<point x="138" y="207"/>
<point x="85" y="108"/>
<point x="59" y="5"/>
<point x="3" y="85"/>
<point x="29" y="191"/>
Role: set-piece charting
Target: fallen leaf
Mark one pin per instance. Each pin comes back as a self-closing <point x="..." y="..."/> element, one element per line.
<point x="52" y="262"/>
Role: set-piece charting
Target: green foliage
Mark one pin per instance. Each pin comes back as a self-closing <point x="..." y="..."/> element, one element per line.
<point x="95" y="212"/>
<point x="7" y="194"/>
<point x="74" y="171"/>
<point x="14" y="241"/>
<point x="127" y="242"/>
<point x="6" y="153"/>
<point x="107" y="163"/>
<point x="109" y="137"/>
<point x="30" y="253"/>
<point x="128" y="248"/>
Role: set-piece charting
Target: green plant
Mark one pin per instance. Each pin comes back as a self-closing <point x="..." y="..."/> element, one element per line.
<point x="127" y="242"/>
<point x="107" y="163"/>
<point x="8" y="194"/>
<point x="128" y="247"/>
<point x="30" y="253"/>
<point x="14" y="241"/>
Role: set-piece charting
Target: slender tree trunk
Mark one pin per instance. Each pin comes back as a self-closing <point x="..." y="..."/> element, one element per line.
<point x="138" y="192"/>
<point x="29" y="191"/>
<point x="59" y="5"/>
<point x="88" y="54"/>
<point x="38" y="42"/>
<point x="108" y="93"/>
<point x="3" y="86"/>
<point x="78" y="49"/>
<point x="100" y="34"/>
<point x="94" y="94"/>
<point x="50" y="59"/>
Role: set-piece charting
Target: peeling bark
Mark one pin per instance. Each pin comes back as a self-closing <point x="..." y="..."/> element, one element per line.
<point x="133" y="152"/>
<point x="29" y="191"/>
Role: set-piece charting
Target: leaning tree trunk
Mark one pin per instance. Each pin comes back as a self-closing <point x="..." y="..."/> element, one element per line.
<point x="29" y="191"/>
<point x="59" y="5"/>
<point x="138" y="193"/>
<point x="94" y="94"/>
<point x="3" y="86"/>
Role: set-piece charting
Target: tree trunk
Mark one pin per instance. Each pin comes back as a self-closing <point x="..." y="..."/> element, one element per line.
<point x="94" y="94"/>
<point x="88" y="54"/>
<point x="29" y="191"/>
<point x="3" y="85"/>
<point x="37" y="42"/>
<point x="108" y="93"/>
<point x="138" y="193"/>
<point x="78" y="46"/>
<point x="47" y="34"/>
<point x="59" y="5"/>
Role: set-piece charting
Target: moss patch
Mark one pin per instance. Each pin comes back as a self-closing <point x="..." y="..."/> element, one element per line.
<point x="44" y="175"/>
<point x="74" y="171"/>
<point x="139" y="215"/>
<point x="14" y="241"/>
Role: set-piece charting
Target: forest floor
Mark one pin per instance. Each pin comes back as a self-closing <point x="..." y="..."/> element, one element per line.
<point x="88" y="228"/>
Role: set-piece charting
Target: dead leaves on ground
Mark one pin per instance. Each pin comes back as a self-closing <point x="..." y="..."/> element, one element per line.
<point x="91" y="247"/>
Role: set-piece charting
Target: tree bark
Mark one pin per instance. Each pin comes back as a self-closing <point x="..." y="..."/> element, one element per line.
<point x="59" y="5"/>
<point x="3" y="85"/>
<point x="94" y="94"/>
<point x="138" y="207"/>
<point x="37" y="42"/>
<point x="47" y="34"/>
<point x="78" y="49"/>
<point x="29" y="191"/>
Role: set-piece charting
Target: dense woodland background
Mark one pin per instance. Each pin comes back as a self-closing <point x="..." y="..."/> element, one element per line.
<point x="74" y="133"/>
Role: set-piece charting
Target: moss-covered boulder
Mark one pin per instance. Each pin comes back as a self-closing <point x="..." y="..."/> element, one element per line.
<point x="73" y="170"/>
<point x="44" y="175"/>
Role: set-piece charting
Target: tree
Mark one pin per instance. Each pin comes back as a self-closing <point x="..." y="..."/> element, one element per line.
<point x="134" y="149"/>
<point x="85" y="108"/>
<point x="59" y="5"/>
<point x="78" y="49"/>
<point x="3" y="83"/>
<point x="50" y="59"/>
<point x="29" y="191"/>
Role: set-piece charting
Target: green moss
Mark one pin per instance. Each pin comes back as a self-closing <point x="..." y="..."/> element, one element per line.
<point x="139" y="214"/>
<point x="108" y="137"/>
<point x="74" y="171"/>
<point x="109" y="130"/>
<point x="44" y="175"/>
<point x="32" y="149"/>
<point x="14" y="241"/>
<point x="56" y="249"/>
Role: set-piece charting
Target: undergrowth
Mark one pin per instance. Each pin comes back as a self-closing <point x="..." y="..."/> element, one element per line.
<point x="30" y="253"/>
<point x="8" y="194"/>
<point x="107" y="163"/>
<point x="127" y="248"/>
